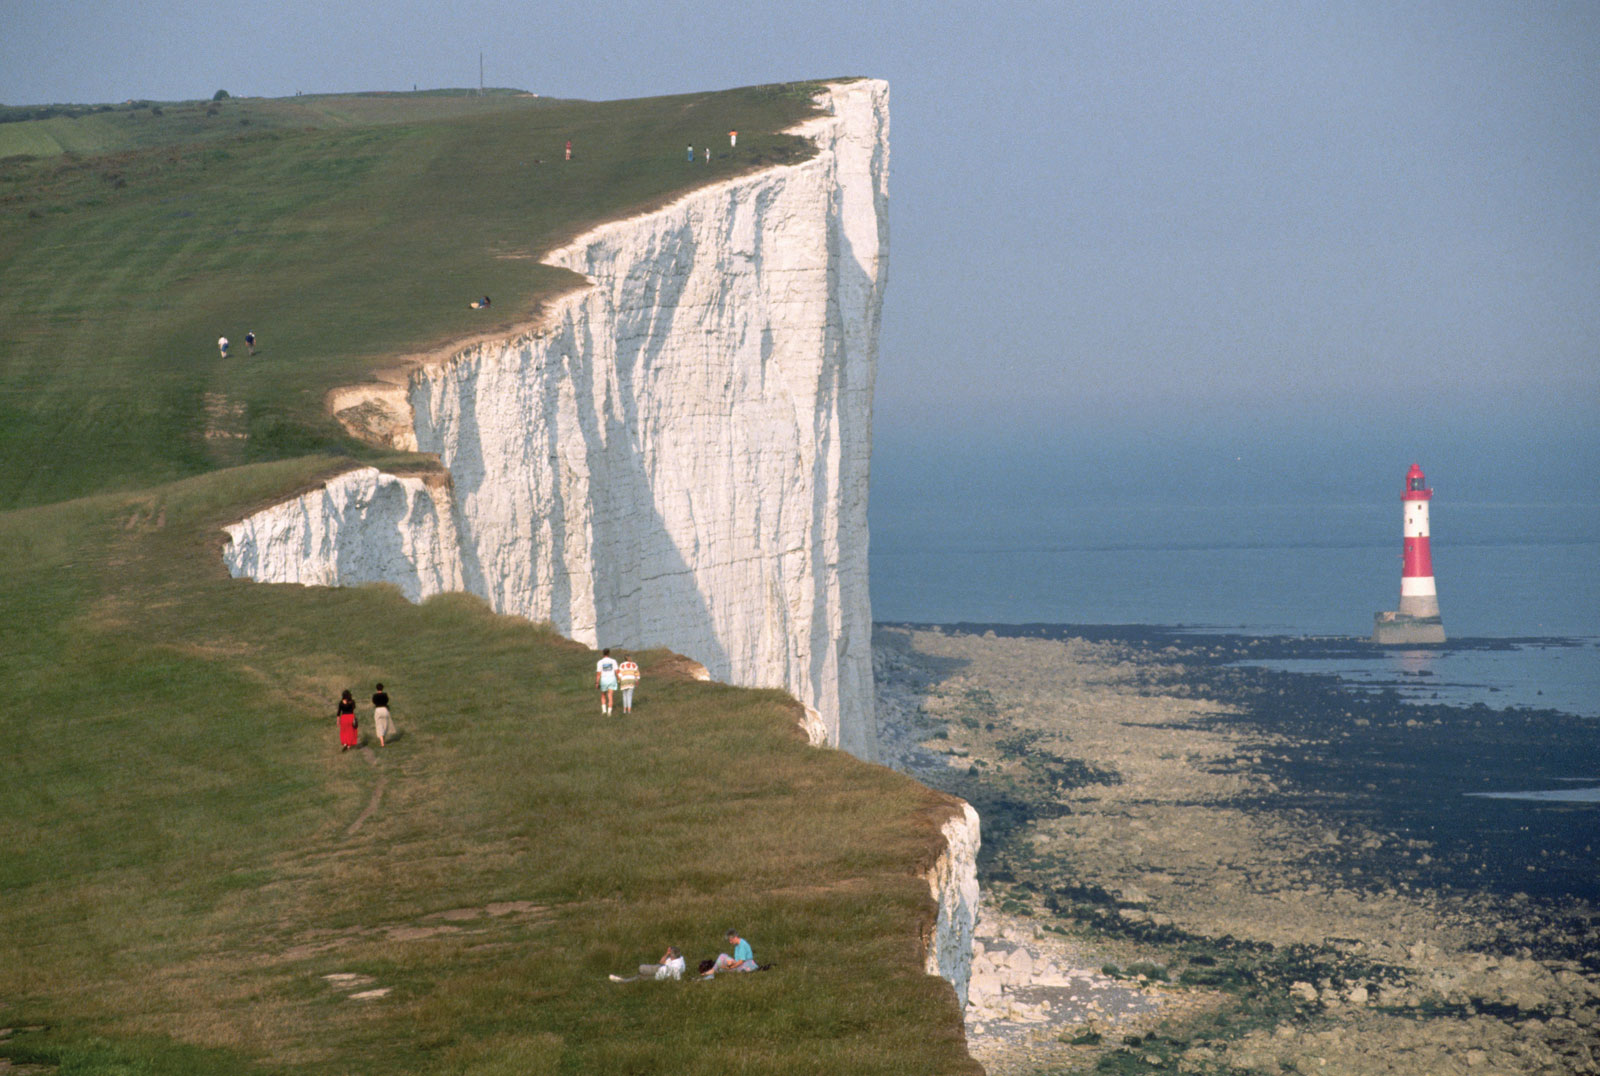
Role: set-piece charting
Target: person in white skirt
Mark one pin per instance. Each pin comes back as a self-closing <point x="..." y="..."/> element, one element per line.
<point x="381" y="721"/>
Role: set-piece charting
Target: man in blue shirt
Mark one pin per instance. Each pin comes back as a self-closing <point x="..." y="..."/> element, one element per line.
<point x="741" y="960"/>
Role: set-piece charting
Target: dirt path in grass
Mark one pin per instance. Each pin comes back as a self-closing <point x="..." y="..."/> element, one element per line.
<point x="1152" y="902"/>
<point x="372" y="803"/>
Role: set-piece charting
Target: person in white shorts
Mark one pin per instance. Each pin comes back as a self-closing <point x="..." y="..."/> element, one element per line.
<point x="627" y="677"/>
<point x="605" y="678"/>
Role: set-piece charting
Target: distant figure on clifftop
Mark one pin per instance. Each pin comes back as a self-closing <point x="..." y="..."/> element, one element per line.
<point x="605" y="678"/>
<point x="222" y="345"/>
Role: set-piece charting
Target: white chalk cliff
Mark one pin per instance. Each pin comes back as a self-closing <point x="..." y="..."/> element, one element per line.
<point x="953" y="882"/>
<point x="676" y="456"/>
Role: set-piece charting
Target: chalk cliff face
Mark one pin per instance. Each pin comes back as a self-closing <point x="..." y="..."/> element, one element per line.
<point x="676" y="456"/>
<point x="953" y="883"/>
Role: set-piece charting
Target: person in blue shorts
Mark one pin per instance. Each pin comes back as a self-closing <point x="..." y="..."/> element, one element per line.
<point x="741" y="960"/>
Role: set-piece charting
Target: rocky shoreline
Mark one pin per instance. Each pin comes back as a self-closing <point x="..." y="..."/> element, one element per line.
<point x="1190" y="866"/>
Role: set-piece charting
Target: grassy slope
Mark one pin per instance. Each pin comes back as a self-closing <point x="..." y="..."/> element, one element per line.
<point x="182" y="863"/>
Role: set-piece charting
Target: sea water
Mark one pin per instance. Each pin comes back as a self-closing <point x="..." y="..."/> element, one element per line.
<point x="1023" y="545"/>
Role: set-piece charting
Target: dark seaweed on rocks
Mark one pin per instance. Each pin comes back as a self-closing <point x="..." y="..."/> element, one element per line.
<point x="1375" y="761"/>
<point x="1007" y="810"/>
<point x="1363" y="762"/>
<point x="1357" y="791"/>
<point x="1055" y="772"/>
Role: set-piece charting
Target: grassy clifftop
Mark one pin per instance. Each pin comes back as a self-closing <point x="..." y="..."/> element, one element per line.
<point x="195" y="879"/>
<point x="353" y="235"/>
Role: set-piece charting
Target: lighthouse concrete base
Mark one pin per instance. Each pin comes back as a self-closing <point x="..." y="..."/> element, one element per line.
<point x="1402" y="629"/>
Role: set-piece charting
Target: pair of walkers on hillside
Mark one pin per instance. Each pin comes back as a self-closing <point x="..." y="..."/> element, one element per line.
<point x="350" y="728"/>
<point x="611" y="675"/>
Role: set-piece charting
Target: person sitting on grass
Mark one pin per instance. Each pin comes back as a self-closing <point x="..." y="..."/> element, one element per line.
<point x="741" y="960"/>
<point x="670" y="967"/>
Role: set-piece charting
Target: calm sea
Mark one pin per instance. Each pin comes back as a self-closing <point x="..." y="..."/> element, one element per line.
<point x="1023" y="545"/>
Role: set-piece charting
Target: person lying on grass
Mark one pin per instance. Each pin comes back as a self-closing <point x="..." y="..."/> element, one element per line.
<point x="741" y="960"/>
<point x="670" y="967"/>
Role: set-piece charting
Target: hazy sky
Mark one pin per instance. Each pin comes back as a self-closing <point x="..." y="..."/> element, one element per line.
<point x="1276" y="216"/>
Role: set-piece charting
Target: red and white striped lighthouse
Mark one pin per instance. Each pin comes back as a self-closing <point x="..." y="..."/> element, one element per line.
<point x="1418" y="596"/>
<point x="1417" y="620"/>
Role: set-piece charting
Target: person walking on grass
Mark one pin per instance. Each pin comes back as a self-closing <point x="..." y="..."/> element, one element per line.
<point x="381" y="724"/>
<point x="250" y="342"/>
<point x="222" y="345"/>
<point x="605" y="678"/>
<point x="741" y="960"/>
<point x="627" y="679"/>
<point x="349" y="731"/>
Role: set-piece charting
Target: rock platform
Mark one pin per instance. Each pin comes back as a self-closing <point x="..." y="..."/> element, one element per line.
<point x="1134" y="826"/>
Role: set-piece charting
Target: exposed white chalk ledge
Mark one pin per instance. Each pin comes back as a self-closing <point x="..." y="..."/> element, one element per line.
<point x="954" y="884"/>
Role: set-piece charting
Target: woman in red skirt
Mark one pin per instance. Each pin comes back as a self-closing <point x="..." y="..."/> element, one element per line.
<point x="349" y="734"/>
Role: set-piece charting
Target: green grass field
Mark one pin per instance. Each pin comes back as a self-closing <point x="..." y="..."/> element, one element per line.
<point x="339" y="246"/>
<point x="188" y="856"/>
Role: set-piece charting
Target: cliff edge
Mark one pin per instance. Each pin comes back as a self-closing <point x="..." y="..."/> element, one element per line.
<point x="676" y="456"/>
